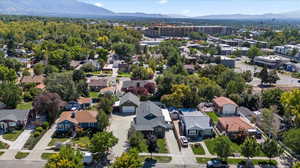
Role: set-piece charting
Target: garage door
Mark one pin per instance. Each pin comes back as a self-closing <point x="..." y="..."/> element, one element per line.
<point x="128" y="109"/>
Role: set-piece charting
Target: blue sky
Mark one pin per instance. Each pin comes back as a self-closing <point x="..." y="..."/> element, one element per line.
<point x="199" y="7"/>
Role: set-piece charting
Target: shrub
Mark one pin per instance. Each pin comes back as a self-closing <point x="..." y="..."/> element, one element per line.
<point x="39" y="129"/>
<point x="36" y="134"/>
<point x="45" y="125"/>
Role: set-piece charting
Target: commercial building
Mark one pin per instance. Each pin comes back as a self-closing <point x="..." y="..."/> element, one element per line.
<point x="184" y="31"/>
<point x="228" y="62"/>
<point x="271" y="61"/>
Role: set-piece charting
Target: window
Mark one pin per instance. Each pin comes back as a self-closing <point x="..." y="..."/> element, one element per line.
<point x="192" y="132"/>
<point x="150" y="116"/>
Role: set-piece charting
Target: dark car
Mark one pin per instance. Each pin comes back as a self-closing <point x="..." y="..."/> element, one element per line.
<point x="217" y="163"/>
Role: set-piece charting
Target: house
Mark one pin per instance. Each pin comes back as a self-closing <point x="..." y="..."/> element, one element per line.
<point x="10" y="119"/>
<point x="196" y="125"/>
<point x="84" y="102"/>
<point x="128" y="103"/>
<point x="97" y="84"/>
<point x="108" y="68"/>
<point x="228" y="62"/>
<point x="72" y="106"/>
<point x="247" y="114"/>
<point x="139" y="87"/>
<point x="225" y="106"/>
<point x="232" y="126"/>
<point x="108" y="90"/>
<point x="69" y="120"/>
<point x="37" y="79"/>
<point x="150" y="120"/>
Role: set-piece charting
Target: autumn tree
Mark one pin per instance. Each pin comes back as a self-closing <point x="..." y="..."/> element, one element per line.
<point x="291" y="104"/>
<point x="66" y="158"/>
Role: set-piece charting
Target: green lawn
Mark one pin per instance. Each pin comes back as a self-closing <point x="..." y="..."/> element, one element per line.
<point x="162" y="146"/>
<point x="94" y="94"/>
<point x="122" y="74"/>
<point x="56" y="140"/>
<point x="1" y="153"/>
<point x="82" y="142"/>
<point x="46" y="156"/>
<point x="21" y="155"/>
<point x="12" y="136"/>
<point x="213" y="116"/>
<point x="237" y="161"/>
<point x="210" y="143"/>
<point x="3" y="145"/>
<point x="198" y="149"/>
<point x="236" y="148"/>
<point x="158" y="159"/>
<point x="24" y="106"/>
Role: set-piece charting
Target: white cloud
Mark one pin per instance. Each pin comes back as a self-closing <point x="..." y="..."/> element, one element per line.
<point x="99" y="4"/>
<point x="185" y="12"/>
<point x="163" y="1"/>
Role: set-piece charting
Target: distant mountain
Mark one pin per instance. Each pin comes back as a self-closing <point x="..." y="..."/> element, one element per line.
<point x="288" y="15"/>
<point x="144" y="15"/>
<point x="51" y="8"/>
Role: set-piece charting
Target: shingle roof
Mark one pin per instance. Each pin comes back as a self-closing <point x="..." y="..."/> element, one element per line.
<point x="196" y="120"/>
<point x="13" y="115"/>
<point x="80" y="116"/>
<point x="221" y="101"/>
<point x="148" y="116"/>
<point x="98" y="82"/>
<point x="134" y="83"/>
<point x="234" y="124"/>
<point x="130" y="97"/>
<point x="33" y="79"/>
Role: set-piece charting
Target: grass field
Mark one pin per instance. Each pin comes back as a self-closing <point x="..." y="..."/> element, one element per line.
<point x="198" y="149"/>
<point x="3" y="145"/>
<point x="12" y="136"/>
<point x="24" y="106"/>
<point x="21" y="155"/>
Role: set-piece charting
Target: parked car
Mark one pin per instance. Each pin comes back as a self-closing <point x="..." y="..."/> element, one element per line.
<point x="217" y="163"/>
<point x="184" y="141"/>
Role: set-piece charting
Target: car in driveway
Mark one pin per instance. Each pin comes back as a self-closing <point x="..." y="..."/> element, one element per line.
<point x="184" y="141"/>
<point x="217" y="163"/>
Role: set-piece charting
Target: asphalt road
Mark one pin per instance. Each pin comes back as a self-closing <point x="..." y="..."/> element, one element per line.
<point x="21" y="164"/>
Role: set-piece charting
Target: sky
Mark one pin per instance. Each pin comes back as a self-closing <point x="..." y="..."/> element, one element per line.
<point x="199" y="7"/>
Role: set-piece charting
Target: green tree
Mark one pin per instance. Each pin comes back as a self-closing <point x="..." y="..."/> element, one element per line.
<point x="10" y="94"/>
<point x="250" y="148"/>
<point x="38" y="69"/>
<point x="291" y="139"/>
<point x="271" y="97"/>
<point x="7" y="74"/>
<point x="247" y="75"/>
<point x="124" y="50"/>
<point x="264" y="75"/>
<point x="105" y="103"/>
<point x="296" y="165"/>
<point x="253" y="52"/>
<point x="66" y="158"/>
<point x="101" y="143"/>
<point x="63" y="85"/>
<point x="271" y="148"/>
<point x="222" y="147"/>
<point x="291" y="104"/>
<point x="267" y="121"/>
<point x="82" y="88"/>
<point x="102" y="120"/>
<point x="78" y="75"/>
<point x="129" y="160"/>
<point x="137" y="140"/>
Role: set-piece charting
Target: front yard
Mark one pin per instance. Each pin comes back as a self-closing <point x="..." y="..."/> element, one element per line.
<point x="12" y="136"/>
<point x="24" y="106"/>
<point x="82" y="142"/>
<point x="46" y="156"/>
<point x="162" y="146"/>
<point x="158" y="159"/>
<point x="3" y="145"/>
<point x="57" y="140"/>
<point x="21" y="155"/>
<point x="236" y="148"/>
<point x="198" y="149"/>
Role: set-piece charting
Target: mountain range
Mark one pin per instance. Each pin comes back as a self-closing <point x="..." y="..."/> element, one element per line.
<point x="75" y="8"/>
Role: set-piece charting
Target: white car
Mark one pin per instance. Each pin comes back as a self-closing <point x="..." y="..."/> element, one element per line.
<point x="184" y="141"/>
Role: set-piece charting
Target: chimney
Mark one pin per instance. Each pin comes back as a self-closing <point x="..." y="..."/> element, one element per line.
<point x="73" y="115"/>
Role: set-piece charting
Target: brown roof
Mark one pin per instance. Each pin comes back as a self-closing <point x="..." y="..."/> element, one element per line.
<point x="33" y="79"/>
<point x="107" y="89"/>
<point x="98" y="82"/>
<point x="80" y="117"/>
<point x="221" y="101"/>
<point x="41" y="86"/>
<point x="234" y="124"/>
<point x="84" y="100"/>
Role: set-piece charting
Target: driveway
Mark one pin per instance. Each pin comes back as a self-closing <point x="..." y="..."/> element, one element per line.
<point x="119" y="126"/>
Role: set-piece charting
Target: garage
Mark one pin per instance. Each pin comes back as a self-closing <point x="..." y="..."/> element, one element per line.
<point x="128" y="109"/>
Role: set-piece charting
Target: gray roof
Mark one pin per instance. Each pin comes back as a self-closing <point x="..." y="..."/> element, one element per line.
<point x="130" y="97"/>
<point x="196" y="120"/>
<point x="135" y="83"/>
<point x="148" y="116"/>
<point x="13" y="115"/>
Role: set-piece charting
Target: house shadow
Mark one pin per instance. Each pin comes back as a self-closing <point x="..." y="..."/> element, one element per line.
<point x="149" y="163"/>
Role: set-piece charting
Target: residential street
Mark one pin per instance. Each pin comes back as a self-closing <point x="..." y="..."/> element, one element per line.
<point x="21" y="164"/>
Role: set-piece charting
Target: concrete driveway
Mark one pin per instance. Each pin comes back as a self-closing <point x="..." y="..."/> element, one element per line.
<point x="120" y="125"/>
